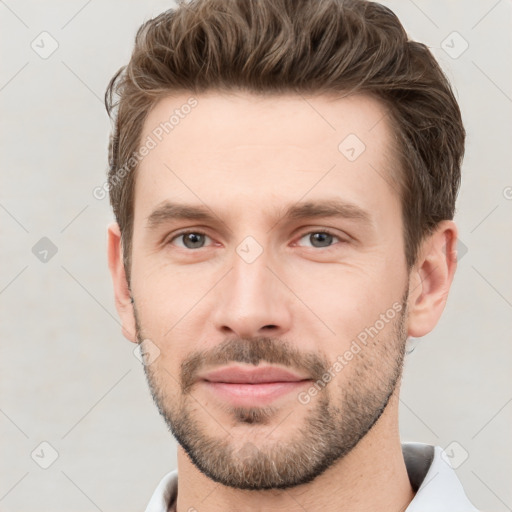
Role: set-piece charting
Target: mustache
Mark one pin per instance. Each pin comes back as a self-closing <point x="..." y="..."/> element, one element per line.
<point x="252" y="351"/>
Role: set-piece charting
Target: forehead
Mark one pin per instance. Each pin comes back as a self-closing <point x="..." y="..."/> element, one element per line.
<point x="224" y="149"/>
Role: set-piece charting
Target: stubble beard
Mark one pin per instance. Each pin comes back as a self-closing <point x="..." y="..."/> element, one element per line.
<point x="338" y="418"/>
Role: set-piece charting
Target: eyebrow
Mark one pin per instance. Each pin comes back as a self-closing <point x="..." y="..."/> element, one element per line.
<point x="168" y="211"/>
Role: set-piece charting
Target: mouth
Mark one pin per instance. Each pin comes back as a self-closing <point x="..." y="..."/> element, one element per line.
<point x="247" y="387"/>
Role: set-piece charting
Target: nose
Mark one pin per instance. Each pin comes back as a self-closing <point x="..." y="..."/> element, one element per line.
<point x="252" y="300"/>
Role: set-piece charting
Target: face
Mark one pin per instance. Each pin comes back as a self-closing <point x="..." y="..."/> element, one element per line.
<point x="268" y="273"/>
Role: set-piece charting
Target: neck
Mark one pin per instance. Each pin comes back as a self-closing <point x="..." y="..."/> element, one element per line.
<point x="372" y="476"/>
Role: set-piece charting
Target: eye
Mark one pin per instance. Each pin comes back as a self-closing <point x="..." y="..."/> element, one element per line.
<point x="191" y="239"/>
<point x="320" y="238"/>
<point x="196" y="239"/>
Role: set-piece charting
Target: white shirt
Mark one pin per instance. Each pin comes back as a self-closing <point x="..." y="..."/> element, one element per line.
<point x="437" y="487"/>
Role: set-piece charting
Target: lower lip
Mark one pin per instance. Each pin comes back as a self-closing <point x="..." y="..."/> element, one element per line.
<point x="253" y="394"/>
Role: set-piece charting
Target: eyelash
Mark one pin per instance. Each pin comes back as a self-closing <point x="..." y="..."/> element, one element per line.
<point x="321" y="230"/>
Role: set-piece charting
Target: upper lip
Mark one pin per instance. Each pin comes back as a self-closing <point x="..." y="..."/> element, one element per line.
<point x="241" y="375"/>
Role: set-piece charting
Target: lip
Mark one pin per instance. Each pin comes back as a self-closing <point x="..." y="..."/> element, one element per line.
<point x="241" y="375"/>
<point x="250" y="387"/>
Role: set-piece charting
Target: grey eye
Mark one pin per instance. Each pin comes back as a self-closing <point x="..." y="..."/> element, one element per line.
<point x="320" y="239"/>
<point x="191" y="239"/>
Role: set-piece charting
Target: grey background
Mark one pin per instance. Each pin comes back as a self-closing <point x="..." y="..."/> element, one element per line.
<point x="69" y="378"/>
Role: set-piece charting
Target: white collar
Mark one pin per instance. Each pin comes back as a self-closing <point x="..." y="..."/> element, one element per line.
<point x="440" y="490"/>
<point x="437" y="487"/>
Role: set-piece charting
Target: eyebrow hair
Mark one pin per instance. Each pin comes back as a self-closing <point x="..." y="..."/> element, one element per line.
<point x="168" y="211"/>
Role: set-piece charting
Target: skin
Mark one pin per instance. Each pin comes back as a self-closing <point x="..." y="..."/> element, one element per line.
<point x="246" y="158"/>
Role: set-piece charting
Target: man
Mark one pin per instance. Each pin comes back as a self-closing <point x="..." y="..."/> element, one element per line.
<point x="283" y="176"/>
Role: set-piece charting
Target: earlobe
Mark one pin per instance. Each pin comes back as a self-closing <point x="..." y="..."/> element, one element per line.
<point x="122" y="292"/>
<point x="431" y="279"/>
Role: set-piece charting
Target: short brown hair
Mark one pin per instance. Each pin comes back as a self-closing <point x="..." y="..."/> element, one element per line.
<point x="303" y="47"/>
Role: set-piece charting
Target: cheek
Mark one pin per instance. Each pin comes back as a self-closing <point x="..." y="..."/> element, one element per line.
<point x="164" y="292"/>
<point x="165" y="302"/>
<point x="348" y="297"/>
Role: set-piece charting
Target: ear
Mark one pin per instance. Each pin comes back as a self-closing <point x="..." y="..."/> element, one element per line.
<point x="122" y="291"/>
<point x="431" y="278"/>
